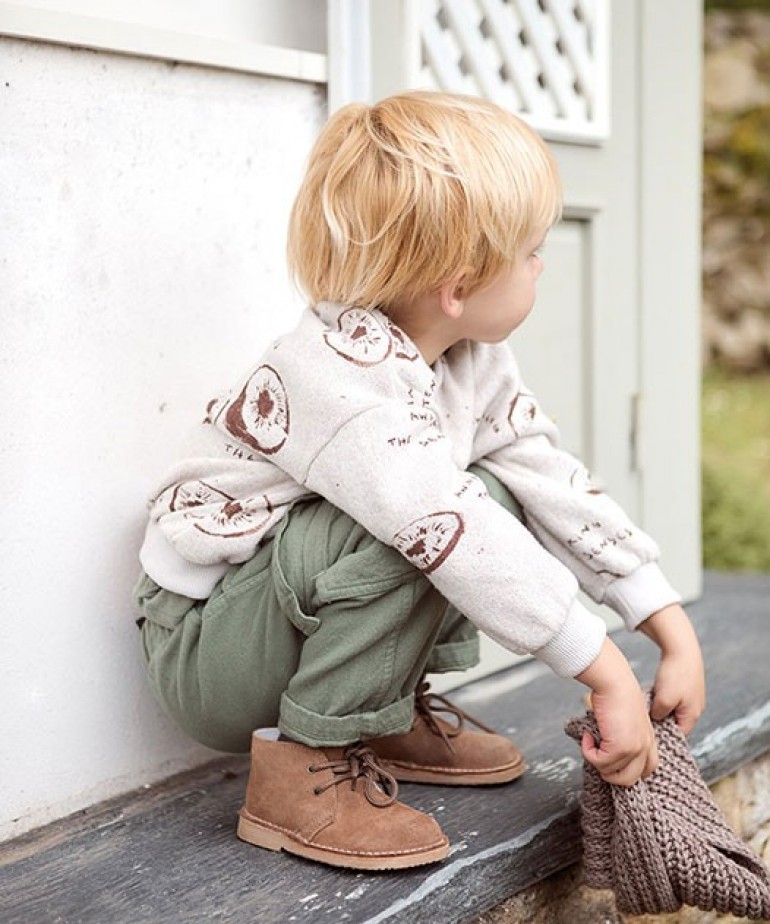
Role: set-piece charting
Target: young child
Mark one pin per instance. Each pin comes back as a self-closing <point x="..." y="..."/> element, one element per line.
<point x="381" y="485"/>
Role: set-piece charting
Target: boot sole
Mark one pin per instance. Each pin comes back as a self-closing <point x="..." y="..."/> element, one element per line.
<point x="405" y="774"/>
<point x="252" y="832"/>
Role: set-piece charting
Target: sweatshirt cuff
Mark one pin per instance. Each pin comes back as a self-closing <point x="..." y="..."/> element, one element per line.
<point x="576" y="645"/>
<point x="637" y="596"/>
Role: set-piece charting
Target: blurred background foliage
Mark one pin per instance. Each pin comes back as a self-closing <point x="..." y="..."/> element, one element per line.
<point x="736" y="285"/>
<point x="737" y="5"/>
<point x="736" y="470"/>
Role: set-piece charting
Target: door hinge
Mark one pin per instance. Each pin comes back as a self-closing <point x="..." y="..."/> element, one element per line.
<point x="634" y="433"/>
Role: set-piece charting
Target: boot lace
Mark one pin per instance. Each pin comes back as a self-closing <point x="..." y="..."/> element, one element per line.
<point x="360" y="762"/>
<point x="428" y="704"/>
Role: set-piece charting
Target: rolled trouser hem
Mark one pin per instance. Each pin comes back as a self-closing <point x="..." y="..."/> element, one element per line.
<point x="453" y="656"/>
<point x="317" y="730"/>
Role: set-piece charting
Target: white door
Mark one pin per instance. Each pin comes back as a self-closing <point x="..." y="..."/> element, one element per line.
<point x="582" y="73"/>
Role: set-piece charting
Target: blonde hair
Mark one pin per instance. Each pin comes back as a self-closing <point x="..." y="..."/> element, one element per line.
<point x="400" y="196"/>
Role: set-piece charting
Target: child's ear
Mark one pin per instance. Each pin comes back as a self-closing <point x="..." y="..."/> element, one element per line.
<point x="452" y="296"/>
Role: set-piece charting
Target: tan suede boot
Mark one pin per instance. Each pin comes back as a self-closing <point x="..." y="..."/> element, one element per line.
<point x="334" y="805"/>
<point x="447" y="753"/>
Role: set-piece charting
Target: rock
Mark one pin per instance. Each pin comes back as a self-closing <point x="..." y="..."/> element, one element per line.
<point x="740" y="346"/>
<point x="748" y="288"/>
<point x="561" y="899"/>
<point x="753" y="793"/>
<point x="730" y="78"/>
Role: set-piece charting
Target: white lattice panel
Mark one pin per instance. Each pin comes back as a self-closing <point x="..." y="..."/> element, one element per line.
<point x="545" y="59"/>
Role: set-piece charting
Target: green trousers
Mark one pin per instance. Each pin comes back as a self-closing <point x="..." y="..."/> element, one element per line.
<point x="325" y="632"/>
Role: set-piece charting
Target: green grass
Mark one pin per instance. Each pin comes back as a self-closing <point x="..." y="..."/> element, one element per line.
<point x="736" y="471"/>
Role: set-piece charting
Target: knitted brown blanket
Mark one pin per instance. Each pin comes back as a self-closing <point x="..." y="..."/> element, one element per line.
<point x="663" y="842"/>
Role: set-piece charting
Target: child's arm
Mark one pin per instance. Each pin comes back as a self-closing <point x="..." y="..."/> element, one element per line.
<point x="680" y="685"/>
<point x="614" y="561"/>
<point x="626" y="750"/>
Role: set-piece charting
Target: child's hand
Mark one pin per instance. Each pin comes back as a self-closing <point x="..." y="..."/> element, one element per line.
<point x="680" y="685"/>
<point x="626" y="751"/>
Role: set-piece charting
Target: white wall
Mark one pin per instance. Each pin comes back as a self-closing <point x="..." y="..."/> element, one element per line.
<point x="142" y="218"/>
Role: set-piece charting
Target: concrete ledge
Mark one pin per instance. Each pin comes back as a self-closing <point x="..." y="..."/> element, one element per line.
<point x="169" y="853"/>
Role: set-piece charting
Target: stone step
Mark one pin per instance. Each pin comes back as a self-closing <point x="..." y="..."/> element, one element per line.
<point x="169" y="854"/>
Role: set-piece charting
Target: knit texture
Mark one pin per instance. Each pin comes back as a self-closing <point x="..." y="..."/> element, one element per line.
<point x="663" y="842"/>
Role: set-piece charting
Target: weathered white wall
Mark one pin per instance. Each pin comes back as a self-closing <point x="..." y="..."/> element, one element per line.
<point x="142" y="219"/>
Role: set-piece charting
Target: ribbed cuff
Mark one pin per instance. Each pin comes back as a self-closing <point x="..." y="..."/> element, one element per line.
<point x="577" y="644"/>
<point x="636" y="597"/>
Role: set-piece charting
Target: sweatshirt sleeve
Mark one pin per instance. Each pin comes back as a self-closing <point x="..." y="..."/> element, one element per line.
<point x="613" y="560"/>
<point x="395" y="475"/>
<point x="345" y="408"/>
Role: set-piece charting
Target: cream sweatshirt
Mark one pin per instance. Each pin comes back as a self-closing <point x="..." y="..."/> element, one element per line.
<point x="345" y="407"/>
